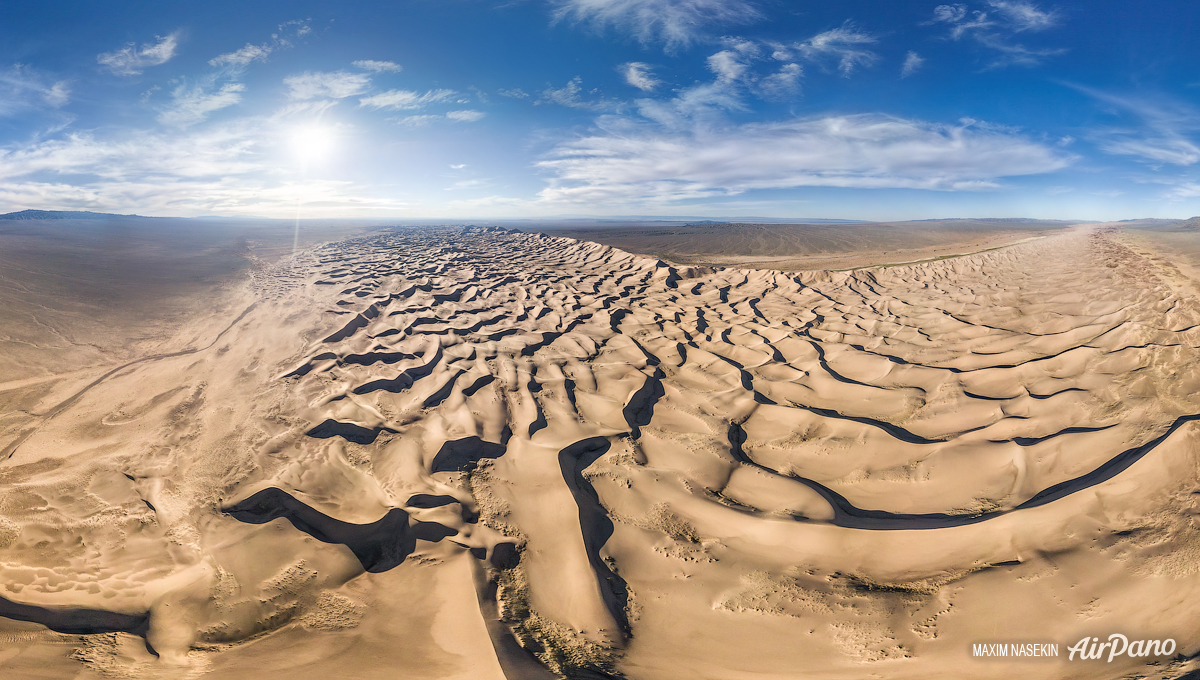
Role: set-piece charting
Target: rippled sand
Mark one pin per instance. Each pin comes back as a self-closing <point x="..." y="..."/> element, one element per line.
<point x="486" y="454"/>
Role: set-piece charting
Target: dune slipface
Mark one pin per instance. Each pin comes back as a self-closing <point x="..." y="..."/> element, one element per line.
<point x="485" y="454"/>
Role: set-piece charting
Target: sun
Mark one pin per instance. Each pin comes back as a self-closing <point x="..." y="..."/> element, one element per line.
<point x="313" y="144"/>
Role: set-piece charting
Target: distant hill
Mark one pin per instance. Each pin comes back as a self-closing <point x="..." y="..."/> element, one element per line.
<point x="1189" y="224"/>
<point x="60" y="215"/>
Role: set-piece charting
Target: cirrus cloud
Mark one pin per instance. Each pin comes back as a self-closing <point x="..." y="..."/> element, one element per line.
<point x="405" y="99"/>
<point x="995" y="29"/>
<point x="333" y="84"/>
<point x="467" y="116"/>
<point x="631" y="161"/>
<point x="23" y="88"/>
<point x="131" y="60"/>
<point x="242" y="58"/>
<point x="638" y="75"/>
<point x="673" y="22"/>
<point x="378" y="66"/>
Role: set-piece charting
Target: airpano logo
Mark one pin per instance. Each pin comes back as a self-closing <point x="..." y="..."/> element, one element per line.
<point x="1119" y="645"/>
<point x="1087" y="649"/>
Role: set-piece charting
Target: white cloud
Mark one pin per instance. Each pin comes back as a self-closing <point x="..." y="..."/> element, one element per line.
<point x="334" y="84"/>
<point x="378" y="66"/>
<point x="1025" y="16"/>
<point x="515" y="93"/>
<point x="1184" y="190"/>
<point x="956" y="16"/>
<point x="674" y="22"/>
<point x="416" y="121"/>
<point x="405" y="99"/>
<point x="1015" y="53"/>
<point x="131" y="60"/>
<point x="291" y="30"/>
<point x="1161" y="149"/>
<point x="312" y="108"/>
<point x="192" y="104"/>
<point x="568" y="95"/>
<point x="1164" y="135"/>
<point x="58" y="94"/>
<point x="731" y="64"/>
<point x="736" y="75"/>
<point x="997" y="29"/>
<point x="783" y="83"/>
<point x="638" y="75"/>
<point x="228" y="150"/>
<point x="630" y="161"/>
<point x="242" y="57"/>
<point x="951" y="14"/>
<point x="843" y="45"/>
<point x="228" y="168"/>
<point x="465" y="116"/>
<point x="23" y="88"/>
<point x="912" y="63"/>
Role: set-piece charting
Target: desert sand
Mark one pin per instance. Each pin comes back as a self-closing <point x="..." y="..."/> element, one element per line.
<point x="479" y="453"/>
<point x="800" y="246"/>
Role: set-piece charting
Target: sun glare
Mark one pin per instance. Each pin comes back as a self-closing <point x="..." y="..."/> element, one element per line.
<point x="312" y="144"/>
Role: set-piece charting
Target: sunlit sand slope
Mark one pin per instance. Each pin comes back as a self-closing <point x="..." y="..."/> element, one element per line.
<point x="484" y="454"/>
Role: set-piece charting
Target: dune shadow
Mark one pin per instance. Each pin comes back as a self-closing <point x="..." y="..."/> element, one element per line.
<point x="463" y="454"/>
<point x="379" y="546"/>
<point x="594" y="522"/>
<point x="76" y="620"/>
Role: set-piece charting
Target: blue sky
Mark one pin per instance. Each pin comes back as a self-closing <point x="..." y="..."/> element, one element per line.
<point x="524" y="108"/>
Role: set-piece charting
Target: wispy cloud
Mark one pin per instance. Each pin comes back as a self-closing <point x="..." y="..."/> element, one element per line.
<point x="1025" y="16"/>
<point x="997" y="28"/>
<point x="24" y="88"/>
<point x="630" y="161"/>
<point x="131" y="60"/>
<point x="912" y="63"/>
<point x="192" y="104"/>
<point x="332" y="84"/>
<point x="291" y="30"/>
<point x="228" y="150"/>
<point x="1184" y="190"/>
<point x="378" y="66"/>
<point x="732" y="63"/>
<point x="243" y="57"/>
<point x="569" y="96"/>
<point x="638" y="75"/>
<point x="416" y="121"/>
<point x="514" y="93"/>
<point x="467" y="116"/>
<point x="783" y="83"/>
<point x="1163" y="134"/>
<point x="228" y="168"/>
<point x="844" y="45"/>
<point x="673" y="22"/>
<point x="405" y="99"/>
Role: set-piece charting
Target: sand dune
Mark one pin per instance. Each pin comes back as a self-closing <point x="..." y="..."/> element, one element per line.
<point x="476" y="453"/>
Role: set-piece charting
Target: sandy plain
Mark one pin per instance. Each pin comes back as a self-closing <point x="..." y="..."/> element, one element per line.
<point x="835" y="246"/>
<point x="480" y="453"/>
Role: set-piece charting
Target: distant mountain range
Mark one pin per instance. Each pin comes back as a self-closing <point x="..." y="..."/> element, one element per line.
<point x="1193" y="223"/>
<point x="60" y="215"/>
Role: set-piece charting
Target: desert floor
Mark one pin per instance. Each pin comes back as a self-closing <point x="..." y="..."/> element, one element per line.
<point x="480" y="453"/>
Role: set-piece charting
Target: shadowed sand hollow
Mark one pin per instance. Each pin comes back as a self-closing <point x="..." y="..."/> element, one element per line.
<point x="475" y="453"/>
